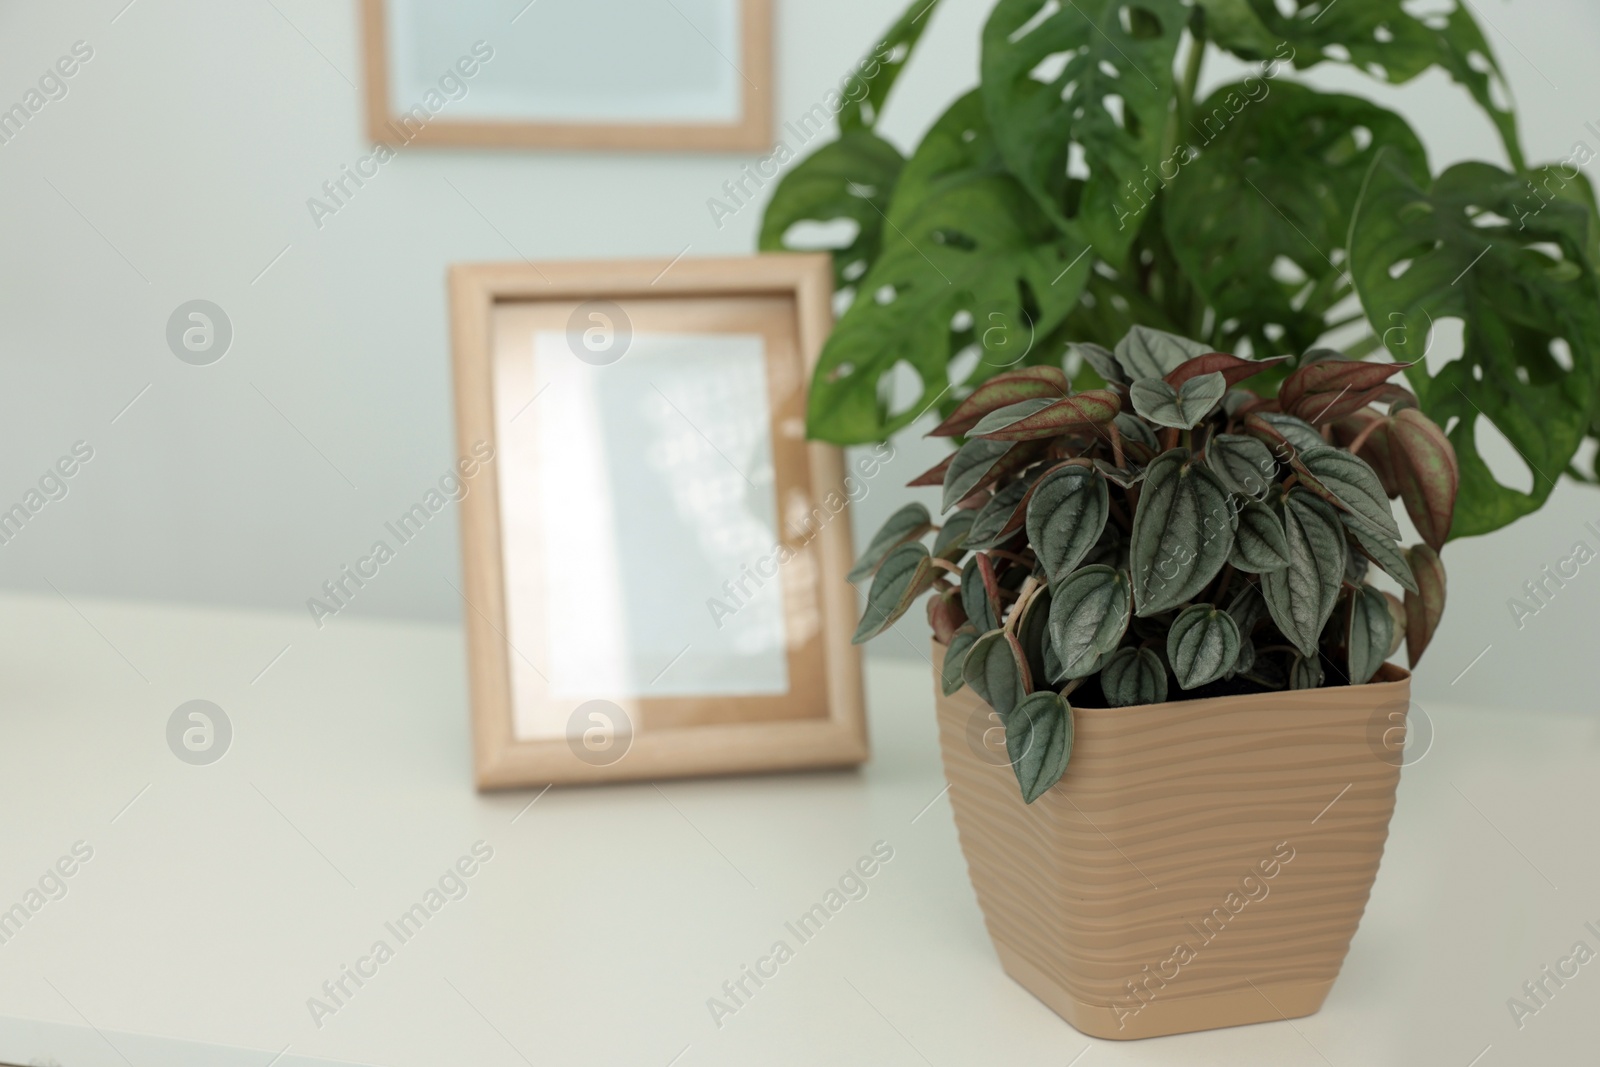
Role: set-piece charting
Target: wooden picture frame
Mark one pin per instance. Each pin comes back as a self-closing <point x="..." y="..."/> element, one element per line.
<point x="526" y="368"/>
<point x="748" y="130"/>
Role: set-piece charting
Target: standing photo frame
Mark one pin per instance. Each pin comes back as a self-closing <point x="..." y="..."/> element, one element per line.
<point x="691" y="75"/>
<point x="655" y="581"/>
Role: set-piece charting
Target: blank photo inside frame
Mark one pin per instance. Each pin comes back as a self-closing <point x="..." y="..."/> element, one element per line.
<point x="596" y="74"/>
<point x="656" y="585"/>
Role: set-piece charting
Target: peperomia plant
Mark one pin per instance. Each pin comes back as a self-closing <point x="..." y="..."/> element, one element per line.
<point x="1168" y="536"/>
<point x="1086" y="186"/>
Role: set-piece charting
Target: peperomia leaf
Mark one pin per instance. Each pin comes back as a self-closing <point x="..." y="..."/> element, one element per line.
<point x="997" y="670"/>
<point x="1182" y="533"/>
<point x="1305" y="672"/>
<point x="1243" y="464"/>
<point x="1425" y="607"/>
<point x="972" y="463"/>
<point x="905" y="574"/>
<point x="955" y="657"/>
<point x="1202" y="646"/>
<point x="1100" y="360"/>
<point x="1425" y="472"/>
<point x="979" y="594"/>
<point x="951" y="540"/>
<point x="1522" y="282"/>
<point x="1259" y="544"/>
<point x="1089" y="613"/>
<point x="851" y="179"/>
<point x="910" y="522"/>
<point x="1330" y="389"/>
<point x="1301" y="597"/>
<point x="1108" y="97"/>
<point x="1034" y="419"/>
<point x="1181" y="407"/>
<point x="1151" y="353"/>
<point x="1274" y="427"/>
<point x="1344" y="480"/>
<point x="1033" y="631"/>
<point x="1132" y="677"/>
<point x="1383" y="551"/>
<point x="1247" y="609"/>
<point x="1233" y="369"/>
<point x="1370" y="631"/>
<point x="1066" y="516"/>
<point x="1001" y="517"/>
<point x="1002" y="391"/>
<point x="1039" y="742"/>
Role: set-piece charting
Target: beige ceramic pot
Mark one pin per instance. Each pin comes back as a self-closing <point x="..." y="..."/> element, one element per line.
<point x="1201" y="864"/>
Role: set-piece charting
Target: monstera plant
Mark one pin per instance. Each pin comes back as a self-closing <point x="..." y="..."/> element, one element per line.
<point x="1085" y="186"/>
<point x="1168" y="536"/>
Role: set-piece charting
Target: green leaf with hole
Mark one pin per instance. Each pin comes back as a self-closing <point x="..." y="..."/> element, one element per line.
<point x="1346" y="481"/>
<point x="910" y="522"/>
<point x="997" y="670"/>
<point x="1182" y="533"/>
<point x="1202" y="646"/>
<point x="905" y="574"/>
<point x="1039" y="742"/>
<point x="849" y="180"/>
<point x="868" y="85"/>
<point x="1243" y="464"/>
<point x="1089" y="613"/>
<point x="1132" y="677"/>
<point x="1181" y="407"/>
<point x="1301" y="597"/>
<point x="1522" y="281"/>
<point x="1259" y="544"/>
<point x="1371" y="628"/>
<point x="1066" y="517"/>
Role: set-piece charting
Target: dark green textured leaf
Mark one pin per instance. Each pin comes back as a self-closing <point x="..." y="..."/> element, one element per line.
<point x="1039" y="742"/>
<point x="1034" y="633"/>
<point x="1088" y="615"/>
<point x="1066" y="516"/>
<point x="1370" y="631"/>
<point x="1110" y="51"/>
<point x="951" y="541"/>
<point x="1180" y="407"/>
<point x="1001" y="517"/>
<point x="1136" y="433"/>
<point x="1150" y="353"/>
<point x="852" y="178"/>
<point x="1243" y="464"/>
<point x="971" y="465"/>
<point x="1100" y="360"/>
<point x="905" y="574"/>
<point x="1259" y="544"/>
<point x="1301" y="597"/>
<point x="1346" y="481"/>
<point x="1247" y="609"/>
<point x="911" y="521"/>
<point x="997" y="670"/>
<point x="1381" y="550"/>
<point x="978" y="597"/>
<point x="1275" y="426"/>
<point x="1305" y="672"/>
<point x="1523" y="283"/>
<point x="1202" y="646"/>
<point x="955" y="657"/>
<point x="1182" y="533"/>
<point x="1132" y="677"/>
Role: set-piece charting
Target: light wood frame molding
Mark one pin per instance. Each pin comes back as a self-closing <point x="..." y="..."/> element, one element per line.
<point x="751" y="132"/>
<point x="830" y="731"/>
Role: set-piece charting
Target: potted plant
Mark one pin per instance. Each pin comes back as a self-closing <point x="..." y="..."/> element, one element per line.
<point x="1163" y="697"/>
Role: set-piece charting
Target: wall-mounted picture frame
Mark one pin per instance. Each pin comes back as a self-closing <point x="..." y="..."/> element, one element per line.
<point x="655" y="581"/>
<point x="690" y="75"/>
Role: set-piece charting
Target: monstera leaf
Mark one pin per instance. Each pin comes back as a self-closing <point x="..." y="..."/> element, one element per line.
<point x="962" y="237"/>
<point x="1289" y="162"/>
<point x="1109" y="100"/>
<point x="1524" y="286"/>
<point x="868" y="86"/>
<point x="853" y="179"/>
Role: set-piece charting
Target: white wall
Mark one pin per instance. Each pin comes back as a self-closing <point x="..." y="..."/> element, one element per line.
<point x="178" y="167"/>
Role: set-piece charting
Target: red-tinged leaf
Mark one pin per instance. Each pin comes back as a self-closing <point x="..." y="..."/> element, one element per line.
<point x="1321" y="408"/>
<point x="1332" y="377"/>
<point x="1397" y="620"/>
<point x="1259" y="404"/>
<point x="1425" y="607"/>
<point x="1013" y="461"/>
<point x="1375" y="449"/>
<point x="1083" y="411"/>
<point x="934" y="475"/>
<point x="1426" y="472"/>
<point x="945" y="615"/>
<point x="1233" y="369"/>
<point x="1003" y="390"/>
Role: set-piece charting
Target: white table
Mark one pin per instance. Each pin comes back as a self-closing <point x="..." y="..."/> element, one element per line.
<point x="219" y="898"/>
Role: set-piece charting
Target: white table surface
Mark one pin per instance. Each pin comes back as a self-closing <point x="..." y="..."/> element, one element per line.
<point x="220" y="897"/>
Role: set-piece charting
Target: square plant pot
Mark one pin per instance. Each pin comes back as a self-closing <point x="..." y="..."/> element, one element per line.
<point x="1201" y="863"/>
